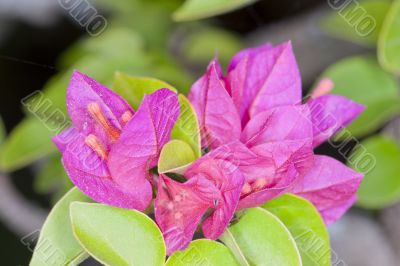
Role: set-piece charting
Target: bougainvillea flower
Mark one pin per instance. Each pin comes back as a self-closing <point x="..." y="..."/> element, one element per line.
<point x="110" y="149"/>
<point x="214" y="185"/>
<point x="331" y="186"/>
<point x="260" y="97"/>
<point x="179" y="208"/>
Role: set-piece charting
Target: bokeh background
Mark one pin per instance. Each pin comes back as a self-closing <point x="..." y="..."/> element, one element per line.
<point x="41" y="42"/>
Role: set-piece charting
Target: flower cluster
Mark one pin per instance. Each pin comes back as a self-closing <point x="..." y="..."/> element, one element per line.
<point x="256" y="132"/>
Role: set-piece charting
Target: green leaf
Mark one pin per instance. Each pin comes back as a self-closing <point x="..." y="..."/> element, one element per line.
<point x="187" y="126"/>
<point x="203" y="252"/>
<point x="133" y="89"/>
<point x="203" y="43"/>
<point x="117" y="236"/>
<point x="363" y="80"/>
<point x="389" y="40"/>
<point x="175" y="157"/>
<point x="51" y="176"/>
<point x="381" y="185"/>
<point x="199" y="9"/>
<point x="28" y="142"/>
<point x="344" y="24"/>
<point x="306" y="226"/>
<point x="263" y="239"/>
<point x="56" y="244"/>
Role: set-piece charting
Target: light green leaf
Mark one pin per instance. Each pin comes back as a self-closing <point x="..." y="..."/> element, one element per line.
<point x="389" y="40"/>
<point x="187" y="126"/>
<point x="306" y="226"/>
<point x="28" y="142"/>
<point x="264" y="239"/>
<point x="117" y="236"/>
<point x="203" y="43"/>
<point x="381" y="185"/>
<point x="362" y="80"/>
<point x="56" y="244"/>
<point x="175" y="157"/>
<point x="133" y="89"/>
<point x="203" y="252"/>
<point x="199" y="9"/>
<point x="347" y="22"/>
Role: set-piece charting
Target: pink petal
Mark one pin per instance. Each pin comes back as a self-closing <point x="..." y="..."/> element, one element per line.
<point x="291" y="160"/>
<point x="179" y="208"/>
<point x="241" y="80"/>
<point x="330" y="113"/>
<point x="138" y="148"/>
<point x="282" y="135"/>
<point x="229" y="181"/>
<point x="91" y="175"/>
<point x="218" y="117"/>
<point x="278" y="124"/>
<point x="82" y="91"/>
<point x="330" y="186"/>
<point x="264" y="77"/>
<point x="65" y="137"/>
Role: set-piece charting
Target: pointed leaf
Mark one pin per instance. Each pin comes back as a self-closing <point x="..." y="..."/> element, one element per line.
<point x="56" y="244"/>
<point x="133" y="88"/>
<point x="117" y="236"/>
<point x="187" y="126"/>
<point x="306" y="226"/>
<point x="203" y="252"/>
<point x="389" y="40"/>
<point x="28" y="142"/>
<point x="175" y="156"/>
<point x="381" y="185"/>
<point x="263" y="238"/>
<point x="198" y="9"/>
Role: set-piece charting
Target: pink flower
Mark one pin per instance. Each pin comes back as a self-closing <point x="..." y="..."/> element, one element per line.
<point x="213" y="185"/>
<point x="259" y="104"/>
<point x="110" y="149"/>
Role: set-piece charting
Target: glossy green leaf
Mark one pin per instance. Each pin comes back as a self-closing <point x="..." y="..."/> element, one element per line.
<point x="187" y="126"/>
<point x="306" y="226"/>
<point x="117" y="236"/>
<point x="348" y="22"/>
<point x="263" y="240"/>
<point x="28" y="142"/>
<point x="133" y="89"/>
<point x="363" y="80"/>
<point x="198" y="9"/>
<point x="202" y="43"/>
<point x="203" y="252"/>
<point x="389" y="40"/>
<point x="381" y="185"/>
<point x="56" y="244"/>
<point x="175" y="157"/>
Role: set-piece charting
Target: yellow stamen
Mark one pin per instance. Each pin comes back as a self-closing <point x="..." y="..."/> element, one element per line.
<point x="325" y="86"/>
<point x="98" y="115"/>
<point x="126" y="117"/>
<point x="259" y="184"/>
<point x="246" y="189"/>
<point x="95" y="144"/>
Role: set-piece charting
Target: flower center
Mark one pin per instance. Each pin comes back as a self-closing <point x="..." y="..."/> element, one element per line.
<point x="113" y="133"/>
<point x="98" y="115"/>
<point x="95" y="144"/>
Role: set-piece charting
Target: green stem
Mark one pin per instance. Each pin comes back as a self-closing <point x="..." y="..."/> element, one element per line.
<point x="228" y="239"/>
